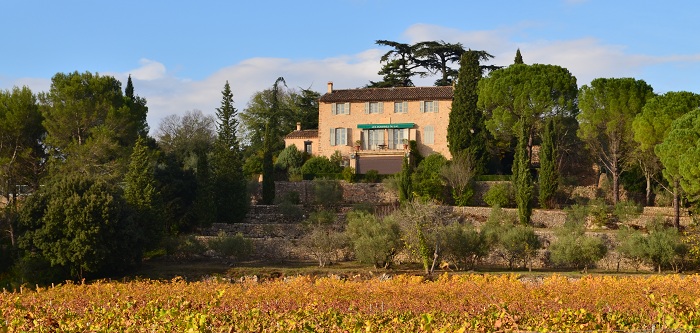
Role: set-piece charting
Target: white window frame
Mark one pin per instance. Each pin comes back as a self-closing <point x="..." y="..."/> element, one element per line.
<point x="340" y="108"/>
<point x="396" y="137"/>
<point x="429" y="106"/>
<point x="401" y="107"/>
<point x="340" y="136"/>
<point x="374" y="107"/>
<point x="429" y="135"/>
<point x="375" y="137"/>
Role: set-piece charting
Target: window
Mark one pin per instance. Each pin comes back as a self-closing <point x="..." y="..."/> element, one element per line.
<point x="374" y="107"/>
<point x="339" y="136"/>
<point x="307" y="147"/>
<point x="428" y="135"/>
<point x="396" y="137"/>
<point x="375" y="138"/>
<point x="401" y="107"/>
<point x="429" y="106"/>
<point x="340" y="108"/>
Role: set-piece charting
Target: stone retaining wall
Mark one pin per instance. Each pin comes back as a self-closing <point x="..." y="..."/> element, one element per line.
<point x="275" y="233"/>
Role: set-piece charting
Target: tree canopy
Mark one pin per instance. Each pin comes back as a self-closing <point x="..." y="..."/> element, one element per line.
<point x="608" y="108"/>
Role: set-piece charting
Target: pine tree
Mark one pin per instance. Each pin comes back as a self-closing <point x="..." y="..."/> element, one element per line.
<point x="466" y="131"/>
<point x="522" y="179"/>
<point x="548" y="176"/>
<point x="141" y="194"/>
<point x="518" y="58"/>
<point x="227" y="164"/>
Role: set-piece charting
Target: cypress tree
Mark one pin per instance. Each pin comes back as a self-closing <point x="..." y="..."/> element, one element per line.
<point x="548" y="176"/>
<point x="518" y="58"/>
<point x="141" y="194"/>
<point x="466" y="132"/>
<point x="231" y="194"/>
<point x="522" y="179"/>
<point x="405" y="184"/>
<point x="268" y="184"/>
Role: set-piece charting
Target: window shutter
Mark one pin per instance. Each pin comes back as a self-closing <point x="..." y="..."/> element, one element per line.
<point x="334" y="108"/>
<point x="422" y="106"/>
<point x="366" y="107"/>
<point x="332" y="136"/>
<point x="435" y="106"/>
<point x="404" y="107"/>
<point x="348" y="137"/>
<point x="381" y="107"/>
<point x="347" y="108"/>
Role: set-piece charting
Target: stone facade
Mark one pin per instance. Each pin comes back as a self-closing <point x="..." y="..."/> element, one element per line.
<point x="356" y="100"/>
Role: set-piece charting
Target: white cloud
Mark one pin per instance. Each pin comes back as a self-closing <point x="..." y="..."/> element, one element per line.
<point x="166" y="93"/>
<point x="149" y="70"/>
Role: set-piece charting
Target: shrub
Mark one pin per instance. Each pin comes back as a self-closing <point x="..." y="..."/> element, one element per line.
<point x="327" y="193"/>
<point x="319" y="165"/>
<point x="375" y="241"/>
<point x="372" y="176"/>
<point x="322" y="240"/>
<point x="500" y="195"/>
<point x="426" y="181"/>
<point x="183" y="246"/>
<point x="289" y="157"/>
<point x="463" y="245"/>
<point x="573" y="247"/>
<point x="511" y="241"/>
<point x="349" y="174"/>
<point x="236" y="246"/>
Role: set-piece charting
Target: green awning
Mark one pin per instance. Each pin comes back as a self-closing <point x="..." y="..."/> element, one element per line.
<point x="380" y="126"/>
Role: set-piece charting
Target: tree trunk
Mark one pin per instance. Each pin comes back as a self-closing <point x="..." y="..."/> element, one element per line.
<point x="649" y="203"/>
<point x="676" y="205"/>
<point x="616" y="187"/>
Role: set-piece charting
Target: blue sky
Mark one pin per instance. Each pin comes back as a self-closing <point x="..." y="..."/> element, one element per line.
<point x="180" y="53"/>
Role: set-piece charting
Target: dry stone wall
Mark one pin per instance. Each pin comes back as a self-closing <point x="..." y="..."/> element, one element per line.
<point x="276" y="230"/>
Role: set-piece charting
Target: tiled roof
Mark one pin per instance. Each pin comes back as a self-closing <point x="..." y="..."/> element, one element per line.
<point x="303" y="134"/>
<point x="388" y="94"/>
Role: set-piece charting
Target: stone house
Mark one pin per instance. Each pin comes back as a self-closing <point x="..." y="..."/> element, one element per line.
<point x="371" y="126"/>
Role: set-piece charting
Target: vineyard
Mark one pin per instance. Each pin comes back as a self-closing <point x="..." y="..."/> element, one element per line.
<point x="403" y="303"/>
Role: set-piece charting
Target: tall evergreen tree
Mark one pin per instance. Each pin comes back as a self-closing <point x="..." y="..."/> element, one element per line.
<point x="140" y="192"/>
<point x="231" y="195"/>
<point x="466" y="131"/>
<point x="268" y="185"/>
<point x="548" y="175"/>
<point x="405" y="184"/>
<point x="204" y="206"/>
<point x="522" y="179"/>
<point x="518" y="58"/>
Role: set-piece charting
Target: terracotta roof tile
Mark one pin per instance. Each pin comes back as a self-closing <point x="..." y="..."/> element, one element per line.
<point x="303" y="134"/>
<point x="388" y="94"/>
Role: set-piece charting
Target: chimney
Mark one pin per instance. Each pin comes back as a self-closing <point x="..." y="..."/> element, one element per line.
<point x="298" y="126"/>
<point x="330" y="87"/>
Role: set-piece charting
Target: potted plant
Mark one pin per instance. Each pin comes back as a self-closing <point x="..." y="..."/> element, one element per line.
<point x="405" y="143"/>
<point x="358" y="143"/>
